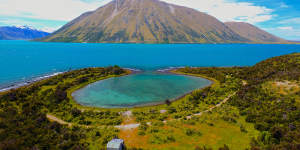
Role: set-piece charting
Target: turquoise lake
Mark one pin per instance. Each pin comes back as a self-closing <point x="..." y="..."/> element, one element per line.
<point x="22" y="61"/>
<point x="137" y="89"/>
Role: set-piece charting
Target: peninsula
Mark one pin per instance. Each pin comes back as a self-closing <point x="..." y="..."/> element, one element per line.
<point x="246" y="107"/>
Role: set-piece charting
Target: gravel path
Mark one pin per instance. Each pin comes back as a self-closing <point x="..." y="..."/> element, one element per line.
<point x="128" y="126"/>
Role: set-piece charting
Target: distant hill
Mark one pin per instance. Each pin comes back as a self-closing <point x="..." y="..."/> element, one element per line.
<point x="151" y="21"/>
<point x="253" y="33"/>
<point x="293" y="41"/>
<point x="20" y="33"/>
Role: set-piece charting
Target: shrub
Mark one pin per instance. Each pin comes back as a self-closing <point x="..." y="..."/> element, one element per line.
<point x="191" y="132"/>
<point x="243" y="129"/>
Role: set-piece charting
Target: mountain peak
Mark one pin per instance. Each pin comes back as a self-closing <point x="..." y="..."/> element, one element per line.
<point x="20" y="33"/>
<point x="145" y="21"/>
<point x="25" y="27"/>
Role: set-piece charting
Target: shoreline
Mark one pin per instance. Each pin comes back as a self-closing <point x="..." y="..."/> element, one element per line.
<point x="28" y="82"/>
<point x="169" y="70"/>
<point x="172" y="70"/>
<point x="19" y="84"/>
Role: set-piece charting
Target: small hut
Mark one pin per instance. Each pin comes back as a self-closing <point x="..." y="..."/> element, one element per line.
<point x="115" y="144"/>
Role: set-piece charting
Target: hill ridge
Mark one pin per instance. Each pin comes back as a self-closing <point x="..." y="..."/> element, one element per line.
<point x="253" y="33"/>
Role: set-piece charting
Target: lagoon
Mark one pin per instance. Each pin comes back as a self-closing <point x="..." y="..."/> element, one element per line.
<point x="138" y="89"/>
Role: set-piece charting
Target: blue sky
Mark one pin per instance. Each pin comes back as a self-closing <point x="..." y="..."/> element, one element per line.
<point x="280" y="17"/>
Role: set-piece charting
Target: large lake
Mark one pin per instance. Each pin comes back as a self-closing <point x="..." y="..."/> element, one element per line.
<point x="23" y="60"/>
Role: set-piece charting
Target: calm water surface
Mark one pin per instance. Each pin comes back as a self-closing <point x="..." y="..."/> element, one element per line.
<point x="23" y="60"/>
<point x="137" y="89"/>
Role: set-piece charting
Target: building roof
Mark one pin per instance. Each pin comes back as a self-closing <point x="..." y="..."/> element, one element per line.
<point x="115" y="143"/>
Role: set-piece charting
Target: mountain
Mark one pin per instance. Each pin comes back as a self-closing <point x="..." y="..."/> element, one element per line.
<point x="145" y="21"/>
<point x="20" y="33"/>
<point x="253" y="33"/>
<point x="153" y="21"/>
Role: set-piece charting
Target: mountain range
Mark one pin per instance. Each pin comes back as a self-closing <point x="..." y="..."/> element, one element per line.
<point x="154" y="21"/>
<point x="20" y="33"/>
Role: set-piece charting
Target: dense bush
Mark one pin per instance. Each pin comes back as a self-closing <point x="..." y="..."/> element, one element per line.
<point x="23" y="121"/>
<point x="277" y="116"/>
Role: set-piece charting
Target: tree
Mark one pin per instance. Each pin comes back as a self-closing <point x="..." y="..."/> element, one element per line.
<point x="168" y="102"/>
<point x="225" y="147"/>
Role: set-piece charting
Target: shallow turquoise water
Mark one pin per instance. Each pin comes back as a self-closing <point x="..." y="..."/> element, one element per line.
<point x="137" y="89"/>
<point x="21" y="61"/>
<point x="24" y="60"/>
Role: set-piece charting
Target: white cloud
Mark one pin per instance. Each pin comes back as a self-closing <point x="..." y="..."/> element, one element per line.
<point x="286" y="32"/>
<point x="291" y="21"/>
<point x="285" y="28"/>
<point x="48" y="29"/>
<point x="283" y="5"/>
<point x="228" y="10"/>
<point x="64" y="10"/>
<point x="38" y="25"/>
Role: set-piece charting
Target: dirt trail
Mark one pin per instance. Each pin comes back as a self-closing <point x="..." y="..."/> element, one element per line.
<point x="129" y="124"/>
<point x="132" y="126"/>
<point x="214" y="107"/>
<point x="53" y="118"/>
<point x="62" y="122"/>
<point x="121" y="127"/>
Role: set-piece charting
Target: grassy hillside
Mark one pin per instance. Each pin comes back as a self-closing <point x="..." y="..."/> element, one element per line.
<point x="197" y="121"/>
<point x="24" y="122"/>
<point x="247" y="107"/>
<point x="269" y="100"/>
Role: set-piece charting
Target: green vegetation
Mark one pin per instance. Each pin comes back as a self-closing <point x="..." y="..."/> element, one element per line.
<point x="267" y="101"/>
<point x="23" y="121"/>
<point x="193" y="103"/>
<point x="178" y="126"/>
<point x="245" y="108"/>
<point x="213" y="129"/>
<point x="275" y="114"/>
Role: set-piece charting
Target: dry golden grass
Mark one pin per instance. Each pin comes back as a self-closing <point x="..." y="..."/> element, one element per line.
<point x="283" y="87"/>
<point x="215" y="132"/>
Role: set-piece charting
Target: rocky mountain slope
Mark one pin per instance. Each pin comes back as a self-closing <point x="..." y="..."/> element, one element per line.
<point x="145" y="21"/>
<point x="253" y="33"/>
<point x="152" y="21"/>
